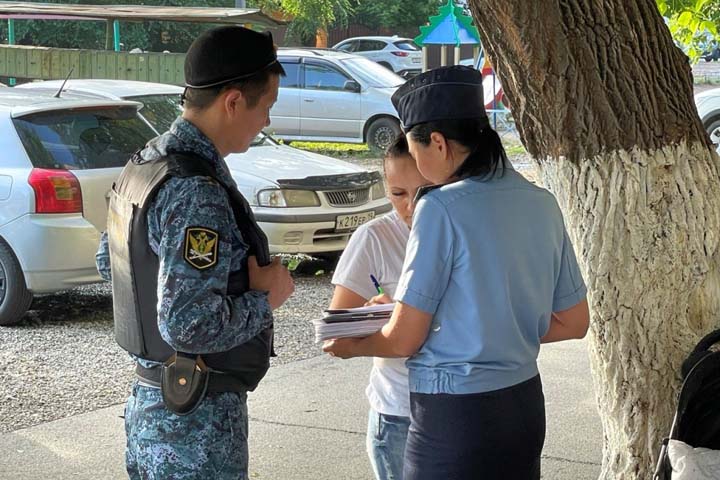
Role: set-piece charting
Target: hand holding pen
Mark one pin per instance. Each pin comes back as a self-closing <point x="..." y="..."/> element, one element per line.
<point x="381" y="297"/>
<point x="380" y="291"/>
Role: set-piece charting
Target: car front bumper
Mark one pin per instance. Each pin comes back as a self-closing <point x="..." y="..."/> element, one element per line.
<point x="289" y="232"/>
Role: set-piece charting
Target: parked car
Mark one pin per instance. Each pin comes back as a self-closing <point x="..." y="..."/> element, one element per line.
<point x="711" y="55"/>
<point x="60" y="158"/>
<point x="331" y="96"/>
<point x="400" y="55"/>
<point x="709" y="47"/>
<point x="708" y="106"/>
<point x="304" y="202"/>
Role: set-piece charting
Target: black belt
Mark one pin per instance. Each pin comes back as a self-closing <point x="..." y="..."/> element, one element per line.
<point x="219" y="382"/>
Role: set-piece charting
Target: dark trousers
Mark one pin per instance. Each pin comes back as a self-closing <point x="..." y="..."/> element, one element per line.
<point x="484" y="436"/>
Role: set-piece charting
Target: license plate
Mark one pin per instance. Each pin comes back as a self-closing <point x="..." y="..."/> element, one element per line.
<point x="416" y="60"/>
<point x="351" y="222"/>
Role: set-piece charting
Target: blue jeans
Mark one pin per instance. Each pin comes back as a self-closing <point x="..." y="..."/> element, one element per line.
<point x="386" y="437"/>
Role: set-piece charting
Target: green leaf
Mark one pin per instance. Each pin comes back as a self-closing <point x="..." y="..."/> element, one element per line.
<point x="685" y="18"/>
<point x="699" y="5"/>
<point x="694" y="25"/>
<point x="710" y="27"/>
<point x="293" y="264"/>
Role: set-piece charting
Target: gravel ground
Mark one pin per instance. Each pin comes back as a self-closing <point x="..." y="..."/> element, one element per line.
<point x="62" y="360"/>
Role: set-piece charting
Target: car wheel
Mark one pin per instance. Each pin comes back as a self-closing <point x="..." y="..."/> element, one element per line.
<point x="15" y="299"/>
<point x="712" y="127"/>
<point x="382" y="133"/>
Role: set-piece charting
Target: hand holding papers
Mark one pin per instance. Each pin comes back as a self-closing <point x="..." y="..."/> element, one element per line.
<point x="352" y="322"/>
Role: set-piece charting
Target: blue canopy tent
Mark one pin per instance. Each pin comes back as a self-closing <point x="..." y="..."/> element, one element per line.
<point x="450" y="27"/>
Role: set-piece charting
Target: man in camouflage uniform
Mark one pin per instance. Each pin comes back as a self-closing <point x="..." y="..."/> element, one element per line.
<point x="232" y="76"/>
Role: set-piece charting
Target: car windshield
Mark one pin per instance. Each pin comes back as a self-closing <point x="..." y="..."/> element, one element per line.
<point x="83" y="139"/>
<point x="162" y="110"/>
<point x="372" y="73"/>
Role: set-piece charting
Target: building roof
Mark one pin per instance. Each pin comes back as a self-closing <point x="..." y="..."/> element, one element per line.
<point x="49" y="11"/>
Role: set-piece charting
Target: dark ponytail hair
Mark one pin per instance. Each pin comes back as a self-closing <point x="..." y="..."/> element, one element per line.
<point x="487" y="153"/>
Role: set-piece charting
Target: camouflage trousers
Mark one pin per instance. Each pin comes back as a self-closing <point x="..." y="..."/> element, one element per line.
<point x="210" y="443"/>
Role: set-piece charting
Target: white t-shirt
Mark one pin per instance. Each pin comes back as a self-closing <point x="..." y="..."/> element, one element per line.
<point x="378" y="248"/>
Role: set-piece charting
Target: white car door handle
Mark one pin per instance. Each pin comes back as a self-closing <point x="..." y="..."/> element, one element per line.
<point x="308" y="100"/>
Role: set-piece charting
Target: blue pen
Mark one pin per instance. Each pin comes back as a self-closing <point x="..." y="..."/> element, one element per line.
<point x="377" y="285"/>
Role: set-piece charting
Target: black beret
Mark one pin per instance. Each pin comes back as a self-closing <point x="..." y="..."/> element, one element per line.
<point x="225" y="54"/>
<point x="445" y="93"/>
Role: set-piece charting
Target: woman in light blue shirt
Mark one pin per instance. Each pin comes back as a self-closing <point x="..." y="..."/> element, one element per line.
<point x="489" y="274"/>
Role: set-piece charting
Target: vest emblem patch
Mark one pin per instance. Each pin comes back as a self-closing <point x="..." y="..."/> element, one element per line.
<point x="201" y="246"/>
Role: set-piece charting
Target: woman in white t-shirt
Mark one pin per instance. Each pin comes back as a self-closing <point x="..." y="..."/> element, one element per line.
<point x="378" y="248"/>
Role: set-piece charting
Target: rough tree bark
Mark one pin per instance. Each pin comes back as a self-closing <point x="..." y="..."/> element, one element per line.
<point x="603" y="102"/>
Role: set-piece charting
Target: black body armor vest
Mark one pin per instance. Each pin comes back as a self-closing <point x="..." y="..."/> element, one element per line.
<point x="135" y="267"/>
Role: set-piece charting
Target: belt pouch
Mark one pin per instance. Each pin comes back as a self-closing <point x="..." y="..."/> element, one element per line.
<point x="184" y="383"/>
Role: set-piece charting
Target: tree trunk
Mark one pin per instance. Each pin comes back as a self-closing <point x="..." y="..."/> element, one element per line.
<point x="321" y="38"/>
<point x="603" y="102"/>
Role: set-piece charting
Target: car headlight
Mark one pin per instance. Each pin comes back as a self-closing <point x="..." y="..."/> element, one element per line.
<point x="377" y="191"/>
<point x="287" y="198"/>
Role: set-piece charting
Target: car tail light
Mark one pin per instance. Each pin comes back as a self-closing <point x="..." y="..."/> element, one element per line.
<point x="56" y="191"/>
<point x="400" y="54"/>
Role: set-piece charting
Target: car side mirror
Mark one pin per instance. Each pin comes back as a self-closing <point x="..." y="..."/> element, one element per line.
<point x="352" y="86"/>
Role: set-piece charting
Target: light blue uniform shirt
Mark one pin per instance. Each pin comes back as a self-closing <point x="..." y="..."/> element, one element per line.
<point x="491" y="260"/>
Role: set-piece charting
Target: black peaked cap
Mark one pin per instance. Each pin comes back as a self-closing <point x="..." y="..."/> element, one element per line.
<point x="225" y="54"/>
<point x="445" y="93"/>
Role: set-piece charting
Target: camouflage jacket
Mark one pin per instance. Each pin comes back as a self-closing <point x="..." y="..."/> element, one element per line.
<point x="195" y="314"/>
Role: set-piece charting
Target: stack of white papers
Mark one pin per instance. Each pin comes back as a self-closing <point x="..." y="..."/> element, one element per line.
<point x="352" y="322"/>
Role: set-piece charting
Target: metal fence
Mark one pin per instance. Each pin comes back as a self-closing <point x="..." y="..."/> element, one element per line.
<point x="55" y="63"/>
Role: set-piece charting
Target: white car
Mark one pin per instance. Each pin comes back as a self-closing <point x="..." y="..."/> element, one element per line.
<point x="60" y="158"/>
<point x="304" y="202"/>
<point x="708" y="106"/>
<point x="331" y="96"/>
<point x="400" y="55"/>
